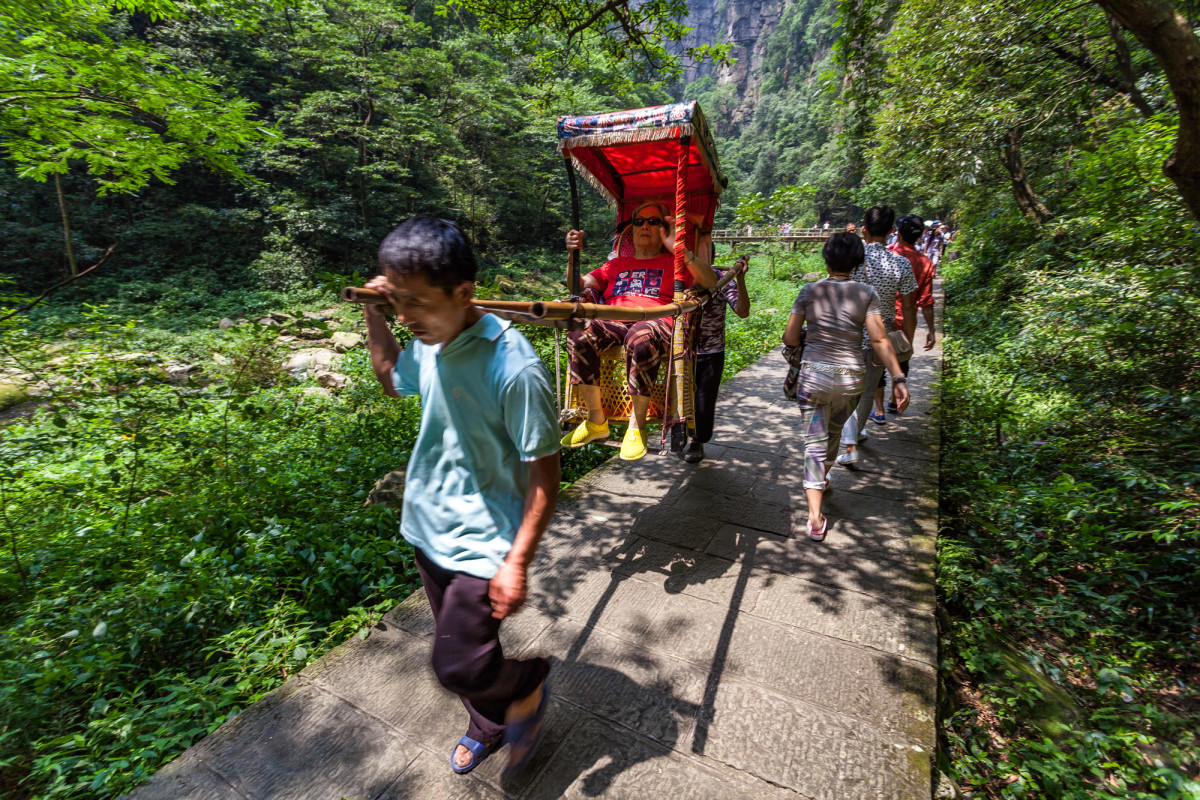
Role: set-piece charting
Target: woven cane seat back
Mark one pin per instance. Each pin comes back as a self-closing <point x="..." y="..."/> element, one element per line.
<point x="613" y="397"/>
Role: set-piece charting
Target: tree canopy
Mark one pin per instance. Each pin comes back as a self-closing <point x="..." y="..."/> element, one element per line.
<point x="80" y="82"/>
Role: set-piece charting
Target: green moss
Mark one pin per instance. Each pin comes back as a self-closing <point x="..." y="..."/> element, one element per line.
<point x="11" y="394"/>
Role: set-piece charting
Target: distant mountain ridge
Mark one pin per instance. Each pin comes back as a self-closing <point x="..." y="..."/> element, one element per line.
<point x="774" y="111"/>
<point x="744" y="24"/>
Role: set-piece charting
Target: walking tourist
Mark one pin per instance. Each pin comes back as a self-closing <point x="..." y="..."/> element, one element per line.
<point x="482" y="480"/>
<point x="910" y="227"/>
<point x="933" y="248"/>
<point x="892" y="276"/>
<point x="836" y="314"/>
<point x="710" y="359"/>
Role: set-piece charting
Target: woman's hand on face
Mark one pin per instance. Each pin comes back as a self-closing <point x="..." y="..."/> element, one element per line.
<point x="667" y="232"/>
<point x="900" y="391"/>
<point x="574" y="240"/>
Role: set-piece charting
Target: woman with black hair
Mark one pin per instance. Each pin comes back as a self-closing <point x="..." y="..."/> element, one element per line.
<point x="832" y="374"/>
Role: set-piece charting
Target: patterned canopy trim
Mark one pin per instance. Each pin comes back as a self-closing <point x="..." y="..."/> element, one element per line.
<point x="656" y="123"/>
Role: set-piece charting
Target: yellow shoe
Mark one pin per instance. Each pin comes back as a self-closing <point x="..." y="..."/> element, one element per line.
<point x="634" y="445"/>
<point x="586" y="432"/>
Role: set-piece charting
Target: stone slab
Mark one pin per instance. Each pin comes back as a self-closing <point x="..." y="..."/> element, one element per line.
<point x="595" y="505"/>
<point x="428" y="777"/>
<point x="854" y="617"/>
<point x="639" y="688"/>
<point x="663" y="523"/>
<point x="185" y="778"/>
<point x="880" y="690"/>
<point x="619" y="604"/>
<point x="306" y="744"/>
<point x="817" y="753"/>
<point x="603" y="760"/>
<point x="726" y="508"/>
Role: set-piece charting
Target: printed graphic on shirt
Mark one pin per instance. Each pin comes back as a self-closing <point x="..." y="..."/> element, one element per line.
<point x="646" y="282"/>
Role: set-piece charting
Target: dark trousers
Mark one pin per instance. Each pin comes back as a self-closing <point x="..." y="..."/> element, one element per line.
<point x="708" y="380"/>
<point x="467" y="656"/>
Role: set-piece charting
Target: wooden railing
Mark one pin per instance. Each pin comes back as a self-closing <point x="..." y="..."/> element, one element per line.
<point x="771" y="234"/>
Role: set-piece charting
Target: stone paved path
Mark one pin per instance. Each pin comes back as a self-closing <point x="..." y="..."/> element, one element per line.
<point x="701" y="649"/>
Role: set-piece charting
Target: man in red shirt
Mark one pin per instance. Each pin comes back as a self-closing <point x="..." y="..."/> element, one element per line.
<point x="909" y="228"/>
<point x="647" y="278"/>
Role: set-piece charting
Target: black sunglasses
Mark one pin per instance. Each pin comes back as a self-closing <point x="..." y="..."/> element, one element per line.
<point x="653" y="222"/>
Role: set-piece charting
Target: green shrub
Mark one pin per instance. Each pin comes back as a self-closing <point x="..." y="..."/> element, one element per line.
<point x="1069" y="559"/>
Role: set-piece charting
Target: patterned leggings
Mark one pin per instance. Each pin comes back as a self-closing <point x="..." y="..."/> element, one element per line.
<point x="826" y="401"/>
<point x="646" y="345"/>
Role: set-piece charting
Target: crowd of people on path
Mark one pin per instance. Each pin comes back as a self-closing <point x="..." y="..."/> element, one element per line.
<point x="483" y="477"/>
<point x="933" y="241"/>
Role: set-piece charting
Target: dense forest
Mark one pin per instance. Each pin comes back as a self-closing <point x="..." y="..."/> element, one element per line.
<point x="184" y="524"/>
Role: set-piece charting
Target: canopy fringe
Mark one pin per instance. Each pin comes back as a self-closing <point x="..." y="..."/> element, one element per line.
<point x="667" y="133"/>
<point x="594" y="181"/>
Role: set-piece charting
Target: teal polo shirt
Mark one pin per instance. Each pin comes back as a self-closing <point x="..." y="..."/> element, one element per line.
<point x="487" y="410"/>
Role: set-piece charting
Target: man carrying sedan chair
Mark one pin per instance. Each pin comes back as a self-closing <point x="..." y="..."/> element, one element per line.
<point x="481" y="483"/>
<point x="644" y="279"/>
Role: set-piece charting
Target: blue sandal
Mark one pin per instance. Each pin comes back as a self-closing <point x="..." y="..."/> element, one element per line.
<point x="526" y="734"/>
<point x="479" y="751"/>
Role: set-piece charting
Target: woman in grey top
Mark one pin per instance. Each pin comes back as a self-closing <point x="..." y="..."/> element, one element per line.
<point x="833" y="371"/>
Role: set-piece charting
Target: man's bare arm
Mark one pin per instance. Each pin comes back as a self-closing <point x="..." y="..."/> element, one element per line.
<point x="698" y="265"/>
<point x="381" y="342"/>
<point x="930" y="335"/>
<point x="510" y="584"/>
<point x="908" y="306"/>
<point x="742" y="309"/>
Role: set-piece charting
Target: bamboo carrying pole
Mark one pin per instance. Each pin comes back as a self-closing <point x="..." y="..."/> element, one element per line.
<point x="544" y="311"/>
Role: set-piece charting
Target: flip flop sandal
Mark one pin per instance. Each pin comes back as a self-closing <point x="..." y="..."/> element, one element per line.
<point x="526" y="734"/>
<point x="818" y="534"/>
<point x="479" y="751"/>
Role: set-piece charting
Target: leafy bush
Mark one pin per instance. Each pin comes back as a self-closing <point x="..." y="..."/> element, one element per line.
<point x="1070" y="554"/>
<point x="176" y="551"/>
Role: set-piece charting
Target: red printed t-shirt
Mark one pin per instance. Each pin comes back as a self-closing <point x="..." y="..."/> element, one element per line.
<point x="629" y="281"/>
<point x="923" y="270"/>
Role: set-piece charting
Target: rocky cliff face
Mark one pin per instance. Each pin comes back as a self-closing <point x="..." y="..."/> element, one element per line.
<point x="744" y="24"/>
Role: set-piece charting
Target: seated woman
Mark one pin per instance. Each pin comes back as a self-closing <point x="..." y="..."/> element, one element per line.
<point x="644" y="279"/>
<point x="833" y="371"/>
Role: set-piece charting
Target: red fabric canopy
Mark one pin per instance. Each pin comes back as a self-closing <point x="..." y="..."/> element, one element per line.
<point x="632" y="156"/>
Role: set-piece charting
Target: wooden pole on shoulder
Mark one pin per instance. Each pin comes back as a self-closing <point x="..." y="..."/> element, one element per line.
<point x="547" y="311"/>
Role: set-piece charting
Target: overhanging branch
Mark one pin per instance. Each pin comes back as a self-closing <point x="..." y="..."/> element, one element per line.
<point x="59" y="285"/>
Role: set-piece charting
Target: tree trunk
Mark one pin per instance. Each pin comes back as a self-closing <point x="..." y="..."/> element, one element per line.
<point x="1167" y="34"/>
<point x="1126" y="64"/>
<point x="1022" y="189"/>
<point x="62" y="208"/>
